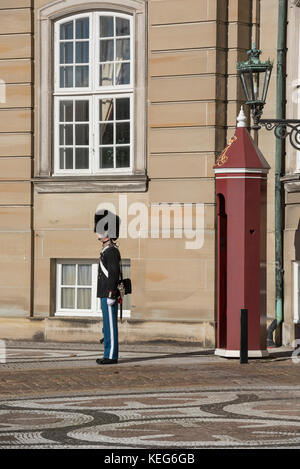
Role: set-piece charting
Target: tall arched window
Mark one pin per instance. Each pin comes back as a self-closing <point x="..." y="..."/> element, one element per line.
<point x="93" y="94"/>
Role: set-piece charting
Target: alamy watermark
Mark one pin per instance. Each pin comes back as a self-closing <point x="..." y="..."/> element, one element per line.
<point x="2" y="351"/>
<point x="159" y="220"/>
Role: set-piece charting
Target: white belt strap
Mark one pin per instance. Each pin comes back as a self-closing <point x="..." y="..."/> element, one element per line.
<point x="104" y="270"/>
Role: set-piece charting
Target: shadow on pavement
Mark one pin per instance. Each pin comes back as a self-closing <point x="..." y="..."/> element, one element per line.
<point x="168" y="356"/>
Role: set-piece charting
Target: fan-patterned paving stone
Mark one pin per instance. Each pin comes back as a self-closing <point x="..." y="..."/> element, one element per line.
<point x="155" y="398"/>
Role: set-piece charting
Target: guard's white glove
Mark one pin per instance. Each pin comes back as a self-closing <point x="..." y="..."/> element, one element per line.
<point x="111" y="301"/>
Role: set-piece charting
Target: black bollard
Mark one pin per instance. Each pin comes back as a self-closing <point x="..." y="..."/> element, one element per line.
<point x="244" y="336"/>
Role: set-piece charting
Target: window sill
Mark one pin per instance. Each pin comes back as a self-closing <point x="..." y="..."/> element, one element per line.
<point x="86" y="184"/>
<point x="87" y="314"/>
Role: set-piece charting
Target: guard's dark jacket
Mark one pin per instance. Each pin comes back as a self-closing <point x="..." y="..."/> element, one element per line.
<point x="108" y="272"/>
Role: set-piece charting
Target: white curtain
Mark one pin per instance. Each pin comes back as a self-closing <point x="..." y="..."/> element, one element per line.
<point x="84" y="298"/>
<point x="68" y="298"/>
<point x="68" y="274"/>
<point x="84" y="278"/>
<point x="84" y="274"/>
<point x="84" y="295"/>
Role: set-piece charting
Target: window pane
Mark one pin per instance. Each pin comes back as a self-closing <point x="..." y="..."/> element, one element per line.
<point x="106" y="26"/>
<point x="82" y="76"/>
<point x="82" y="134"/>
<point x="82" y="52"/>
<point x="122" y="27"/>
<point x="106" y="50"/>
<point x="66" y="30"/>
<point x="68" y="298"/>
<point x="82" y="28"/>
<point x="82" y="158"/>
<point x="123" y="157"/>
<point x="106" y="111"/>
<point x="66" y="111"/>
<point x="66" y="77"/>
<point x="106" y="158"/>
<point x="66" y="158"/>
<point x="61" y="158"/>
<point x="106" y="74"/>
<point x="84" y="297"/>
<point x="84" y="274"/>
<point x="122" y="73"/>
<point x="123" y="133"/>
<point x="66" y="134"/>
<point x="123" y="49"/>
<point x="82" y="111"/>
<point x="122" y="109"/>
<point x="69" y="158"/>
<point x="106" y="134"/>
<point x="66" y="53"/>
<point x="68" y="274"/>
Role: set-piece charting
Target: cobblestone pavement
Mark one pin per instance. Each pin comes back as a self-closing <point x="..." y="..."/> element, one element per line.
<point x="55" y="396"/>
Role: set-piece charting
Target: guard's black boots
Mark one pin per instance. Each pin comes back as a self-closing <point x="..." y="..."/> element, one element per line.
<point x="106" y="361"/>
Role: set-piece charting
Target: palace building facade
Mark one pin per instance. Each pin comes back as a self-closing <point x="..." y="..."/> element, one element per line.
<point x="127" y="104"/>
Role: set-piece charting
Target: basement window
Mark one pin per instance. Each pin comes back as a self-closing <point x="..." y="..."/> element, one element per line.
<point x="76" y="288"/>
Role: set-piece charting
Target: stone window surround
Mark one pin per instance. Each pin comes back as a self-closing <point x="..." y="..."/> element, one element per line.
<point x="44" y="181"/>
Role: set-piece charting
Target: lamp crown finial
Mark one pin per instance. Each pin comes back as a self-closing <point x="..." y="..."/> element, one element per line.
<point x="241" y="119"/>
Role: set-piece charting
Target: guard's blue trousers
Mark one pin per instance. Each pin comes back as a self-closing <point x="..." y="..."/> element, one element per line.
<point x="110" y="329"/>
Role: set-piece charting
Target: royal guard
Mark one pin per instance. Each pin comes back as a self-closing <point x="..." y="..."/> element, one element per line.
<point x="107" y="229"/>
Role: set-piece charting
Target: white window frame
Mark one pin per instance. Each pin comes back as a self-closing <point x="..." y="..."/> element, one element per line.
<point x="95" y="310"/>
<point x="130" y="86"/>
<point x="56" y="136"/>
<point x="93" y="93"/>
<point x="296" y="273"/>
<point x="96" y="135"/>
<point x="93" y="54"/>
<point x="73" y="89"/>
<point x="74" y="311"/>
<point x="94" y="153"/>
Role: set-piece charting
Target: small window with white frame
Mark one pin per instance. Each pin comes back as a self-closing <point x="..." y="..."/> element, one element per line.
<point x="296" y="273"/>
<point x="93" y="94"/>
<point x="76" y="288"/>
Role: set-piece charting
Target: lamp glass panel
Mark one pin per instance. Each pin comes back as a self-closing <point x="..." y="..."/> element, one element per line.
<point x="246" y="80"/>
<point x="256" y="86"/>
<point x="266" y="84"/>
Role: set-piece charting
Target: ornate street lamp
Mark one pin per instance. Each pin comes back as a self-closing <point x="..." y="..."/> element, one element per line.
<point x="255" y="77"/>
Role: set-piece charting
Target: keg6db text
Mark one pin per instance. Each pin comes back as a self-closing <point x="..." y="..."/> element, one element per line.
<point x="155" y="458"/>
